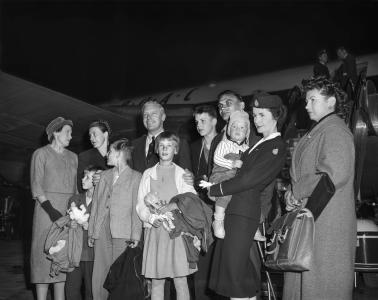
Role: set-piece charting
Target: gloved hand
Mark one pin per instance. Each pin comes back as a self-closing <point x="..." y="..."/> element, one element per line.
<point x="51" y="211"/>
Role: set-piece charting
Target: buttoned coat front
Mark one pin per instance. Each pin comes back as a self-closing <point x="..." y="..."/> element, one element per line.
<point x="328" y="148"/>
<point x="119" y="201"/>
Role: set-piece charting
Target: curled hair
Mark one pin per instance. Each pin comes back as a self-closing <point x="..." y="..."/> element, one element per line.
<point x="230" y="93"/>
<point x="328" y="89"/>
<point x="102" y="125"/>
<point x="205" y="109"/>
<point x="123" y="145"/>
<point x="167" y="135"/>
<point x="279" y="114"/>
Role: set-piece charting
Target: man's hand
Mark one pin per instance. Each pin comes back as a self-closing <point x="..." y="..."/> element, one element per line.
<point x="96" y="177"/>
<point x="188" y="177"/>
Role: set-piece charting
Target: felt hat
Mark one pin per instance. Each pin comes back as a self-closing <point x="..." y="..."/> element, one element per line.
<point x="55" y="125"/>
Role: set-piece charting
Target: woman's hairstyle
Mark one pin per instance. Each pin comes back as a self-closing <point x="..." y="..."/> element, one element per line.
<point x="124" y="146"/>
<point x="205" y="109"/>
<point x="167" y="135"/>
<point x="272" y="103"/>
<point x="279" y="114"/>
<point x="328" y="89"/>
<point x="92" y="168"/>
<point x="102" y="125"/>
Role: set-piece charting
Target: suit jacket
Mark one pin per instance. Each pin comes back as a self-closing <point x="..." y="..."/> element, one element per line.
<point x="139" y="162"/>
<point x="118" y="200"/>
<point x="260" y="167"/>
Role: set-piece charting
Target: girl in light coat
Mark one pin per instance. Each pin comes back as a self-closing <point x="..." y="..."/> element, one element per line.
<point x="163" y="257"/>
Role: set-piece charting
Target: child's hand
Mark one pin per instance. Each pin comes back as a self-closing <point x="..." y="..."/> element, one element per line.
<point x="155" y="221"/>
<point x="85" y="225"/>
<point x="73" y="224"/>
<point x="91" y="242"/>
<point x="237" y="164"/>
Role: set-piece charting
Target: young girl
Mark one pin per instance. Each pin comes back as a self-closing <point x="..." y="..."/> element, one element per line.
<point x="114" y="223"/>
<point x="163" y="257"/>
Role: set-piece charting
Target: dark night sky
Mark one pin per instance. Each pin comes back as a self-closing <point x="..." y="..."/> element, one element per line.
<point x="98" y="51"/>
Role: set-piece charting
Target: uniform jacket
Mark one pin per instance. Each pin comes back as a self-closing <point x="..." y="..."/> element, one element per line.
<point x="260" y="167"/>
<point x="119" y="200"/>
<point x="139" y="161"/>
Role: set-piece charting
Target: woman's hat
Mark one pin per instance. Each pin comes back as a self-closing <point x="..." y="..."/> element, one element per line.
<point x="266" y="100"/>
<point x="55" y="125"/>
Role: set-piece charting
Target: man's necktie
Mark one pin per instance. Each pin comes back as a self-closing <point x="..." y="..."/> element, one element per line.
<point x="151" y="149"/>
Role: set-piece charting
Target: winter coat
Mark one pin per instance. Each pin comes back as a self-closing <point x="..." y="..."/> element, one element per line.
<point x="193" y="217"/>
<point x="68" y="257"/>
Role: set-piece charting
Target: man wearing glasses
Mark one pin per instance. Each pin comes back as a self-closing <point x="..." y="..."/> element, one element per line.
<point x="228" y="102"/>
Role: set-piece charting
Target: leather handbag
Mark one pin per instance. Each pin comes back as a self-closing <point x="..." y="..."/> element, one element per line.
<point x="290" y="248"/>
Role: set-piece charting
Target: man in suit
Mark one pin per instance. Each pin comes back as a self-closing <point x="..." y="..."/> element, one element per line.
<point x="346" y="74"/>
<point x="320" y="67"/>
<point x="144" y="156"/>
<point x="228" y="102"/>
<point x="205" y="117"/>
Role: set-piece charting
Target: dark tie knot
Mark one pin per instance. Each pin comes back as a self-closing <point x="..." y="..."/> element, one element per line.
<point x="151" y="149"/>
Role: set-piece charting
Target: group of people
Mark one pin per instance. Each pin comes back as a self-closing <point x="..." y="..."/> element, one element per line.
<point x="128" y="188"/>
<point x="346" y="74"/>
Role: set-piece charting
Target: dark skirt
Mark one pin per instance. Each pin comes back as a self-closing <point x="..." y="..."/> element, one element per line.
<point x="233" y="274"/>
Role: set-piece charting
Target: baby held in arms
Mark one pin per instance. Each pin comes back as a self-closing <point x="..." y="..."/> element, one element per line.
<point x="227" y="159"/>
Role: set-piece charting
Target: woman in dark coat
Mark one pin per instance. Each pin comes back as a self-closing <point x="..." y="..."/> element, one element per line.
<point x="53" y="182"/>
<point x="327" y="148"/>
<point x="99" y="133"/>
<point x="233" y="274"/>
